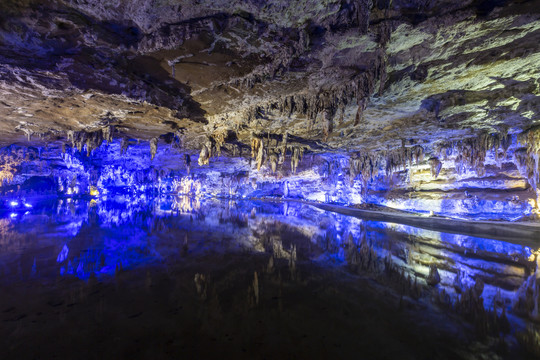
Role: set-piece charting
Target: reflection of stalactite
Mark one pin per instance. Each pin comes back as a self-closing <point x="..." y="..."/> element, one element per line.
<point x="528" y="296"/>
<point x="256" y="287"/>
<point x="201" y="284"/>
<point x="187" y="162"/>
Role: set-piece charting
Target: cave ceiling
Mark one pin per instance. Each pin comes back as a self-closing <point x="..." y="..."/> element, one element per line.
<point x="335" y="76"/>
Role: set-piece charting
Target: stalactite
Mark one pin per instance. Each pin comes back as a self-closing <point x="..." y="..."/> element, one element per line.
<point x="435" y="166"/>
<point x="273" y="159"/>
<point x="153" y="147"/>
<point x="530" y="165"/>
<point x="433" y="278"/>
<point x="260" y="156"/>
<point x="124" y="144"/>
<point x="108" y="132"/>
<point x="362" y="105"/>
<point x="470" y="153"/>
<point x="295" y="159"/>
<point x="283" y="149"/>
<point x="256" y="142"/>
<point x="219" y="138"/>
<point x="327" y="123"/>
<point x="93" y="141"/>
<point x="365" y="165"/>
<point x="204" y="156"/>
<point x="382" y="71"/>
<point x="311" y="105"/>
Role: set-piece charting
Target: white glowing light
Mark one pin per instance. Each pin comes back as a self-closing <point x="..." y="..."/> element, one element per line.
<point x="14" y="203"/>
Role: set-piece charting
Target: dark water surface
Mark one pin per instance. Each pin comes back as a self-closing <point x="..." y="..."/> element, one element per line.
<point x="185" y="278"/>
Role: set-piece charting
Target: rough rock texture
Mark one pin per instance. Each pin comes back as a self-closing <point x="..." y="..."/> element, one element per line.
<point x="422" y="105"/>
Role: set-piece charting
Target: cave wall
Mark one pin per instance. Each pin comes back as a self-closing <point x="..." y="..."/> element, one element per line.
<point x="459" y="179"/>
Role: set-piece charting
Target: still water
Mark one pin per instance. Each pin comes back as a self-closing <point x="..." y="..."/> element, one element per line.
<point x="134" y="277"/>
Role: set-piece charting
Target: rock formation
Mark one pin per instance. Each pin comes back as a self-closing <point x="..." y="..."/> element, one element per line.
<point x="419" y="105"/>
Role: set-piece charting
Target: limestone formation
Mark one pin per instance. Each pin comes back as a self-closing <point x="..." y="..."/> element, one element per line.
<point x="153" y="148"/>
<point x="396" y="104"/>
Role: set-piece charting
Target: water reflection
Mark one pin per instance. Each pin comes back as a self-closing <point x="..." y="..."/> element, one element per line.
<point x="482" y="279"/>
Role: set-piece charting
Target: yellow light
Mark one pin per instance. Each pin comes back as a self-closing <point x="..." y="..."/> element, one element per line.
<point x="94" y="191"/>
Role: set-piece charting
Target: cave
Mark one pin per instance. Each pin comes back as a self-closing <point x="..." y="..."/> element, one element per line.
<point x="270" y="179"/>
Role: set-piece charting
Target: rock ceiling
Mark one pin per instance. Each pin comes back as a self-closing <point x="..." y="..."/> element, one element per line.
<point x="335" y="75"/>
